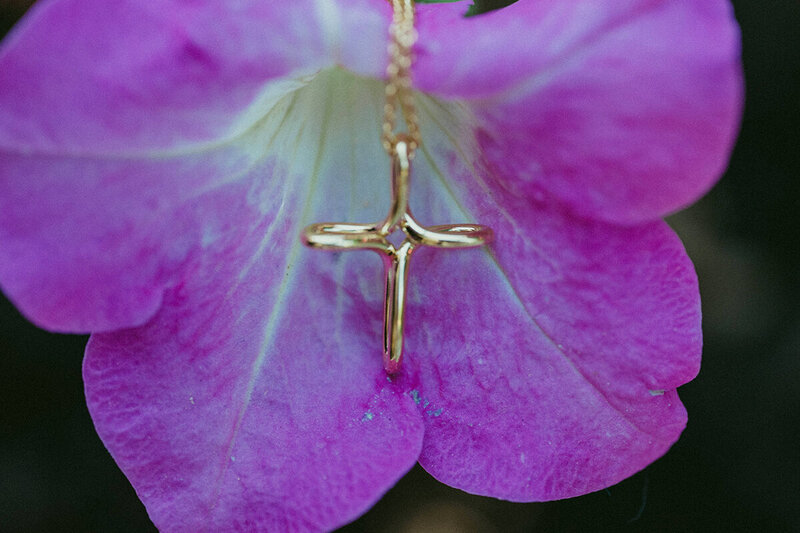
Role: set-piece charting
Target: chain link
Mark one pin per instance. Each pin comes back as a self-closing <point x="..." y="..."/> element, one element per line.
<point x="399" y="92"/>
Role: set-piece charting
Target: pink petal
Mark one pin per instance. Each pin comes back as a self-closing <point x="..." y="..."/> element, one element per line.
<point x="625" y="111"/>
<point x="249" y="403"/>
<point x="546" y="367"/>
<point x="88" y="244"/>
<point x="111" y="119"/>
<point x="81" y="75"/>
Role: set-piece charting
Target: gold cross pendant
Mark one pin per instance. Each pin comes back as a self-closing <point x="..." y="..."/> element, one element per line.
<point x="345" y="236"/>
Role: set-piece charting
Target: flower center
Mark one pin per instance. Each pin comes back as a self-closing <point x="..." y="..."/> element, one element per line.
<point x="323" y="150"/>
<point x="319" y="136"/>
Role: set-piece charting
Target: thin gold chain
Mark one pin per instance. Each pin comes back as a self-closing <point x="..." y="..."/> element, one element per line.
<point x="399" y="92"/>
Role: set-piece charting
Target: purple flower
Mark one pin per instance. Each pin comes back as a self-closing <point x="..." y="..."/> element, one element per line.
<point x="157" y="163"/>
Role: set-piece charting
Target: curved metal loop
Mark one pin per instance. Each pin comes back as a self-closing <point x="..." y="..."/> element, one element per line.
<point x="342" y="236"/>
<point x="448" y="235"/>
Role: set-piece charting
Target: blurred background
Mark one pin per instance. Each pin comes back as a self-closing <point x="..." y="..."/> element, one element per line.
<point x="736" y="468"/>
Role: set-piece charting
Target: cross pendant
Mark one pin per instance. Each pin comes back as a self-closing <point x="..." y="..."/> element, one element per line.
<point x="345" y="236"/>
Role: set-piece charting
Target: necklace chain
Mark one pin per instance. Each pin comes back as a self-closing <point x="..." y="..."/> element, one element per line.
<point x="403" y="35"/>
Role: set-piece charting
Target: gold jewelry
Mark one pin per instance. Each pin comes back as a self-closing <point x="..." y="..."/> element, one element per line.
<point x="400" y="147"/>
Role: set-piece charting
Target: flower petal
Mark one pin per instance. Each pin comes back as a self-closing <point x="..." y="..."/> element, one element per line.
<point x="255" y="399"/>
<point x="83" y="76"/>
<point x="625" y="111"/>
<point x="88" y="244"/>
<point x="235" y="410"/>
<point x="546" y="367"/>
<point x="111" y="119"/>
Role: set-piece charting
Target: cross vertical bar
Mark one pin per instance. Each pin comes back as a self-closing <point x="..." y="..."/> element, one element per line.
<point x="396" y="265"/>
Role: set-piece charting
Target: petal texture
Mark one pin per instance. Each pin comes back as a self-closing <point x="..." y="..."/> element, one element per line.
<point x="625" y="111"/>
<point x="545" y="367"/>
<point x="87" y="244"/>
<point x="255" y="399"/>
<point x="114" y="117"/>
<point x="85" y="76"/>
<point x="228" y="413"/>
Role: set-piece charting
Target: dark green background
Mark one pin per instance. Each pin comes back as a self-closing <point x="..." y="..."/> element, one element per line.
<point x="736" y="468"/>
